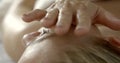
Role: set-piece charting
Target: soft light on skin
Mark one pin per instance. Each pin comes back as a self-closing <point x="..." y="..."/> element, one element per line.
<point x="14" y="44"/>
<point x="14" y="24"/>
<point x="113" y="6"/>
<point x="57" y="48"/>
<point x="43" y="4"/>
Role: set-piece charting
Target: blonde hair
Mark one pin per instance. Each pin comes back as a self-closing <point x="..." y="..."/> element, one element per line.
<point x="94" y="53"/>
<point x="98" y="51"/>
<point x="50" y="48"/>
<point x="93" y="50"/>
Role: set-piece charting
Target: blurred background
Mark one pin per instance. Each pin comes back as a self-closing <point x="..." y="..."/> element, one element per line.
<point x="4" y="6"/>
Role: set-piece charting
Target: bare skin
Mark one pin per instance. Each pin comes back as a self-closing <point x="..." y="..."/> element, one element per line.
<point x="102" y="17"/>
<point x="14" y="28"/>
<point x="14" y="35"/>
<point x="52" y="45"/>
<point x="49" y="48"/>
<point x="82" y="12"/>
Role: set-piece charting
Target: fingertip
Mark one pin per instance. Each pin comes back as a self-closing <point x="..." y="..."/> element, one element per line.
<point x="81" y="31"/>
<point x="60" y="30"/>
<point x="26" y="18"/>
<point x="34" y="15"/>
<point x="115" y="41"/>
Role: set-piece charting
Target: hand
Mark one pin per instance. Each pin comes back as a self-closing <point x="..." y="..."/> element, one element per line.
<point x="82" y="13"/>
<point x="114" y="42"/>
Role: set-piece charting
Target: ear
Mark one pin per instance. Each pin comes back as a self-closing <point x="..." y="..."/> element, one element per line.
<point x="28" y="38"/>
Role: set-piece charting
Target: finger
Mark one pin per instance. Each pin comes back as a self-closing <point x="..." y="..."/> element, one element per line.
<point x="34" y="15"/>
<point x="64" y="20"/>
<point x="83" y="23"/>
<point x="115" y="42"/>
<point x="105" y="18"/>
<point x="28" y="38"/>
<point x="50" y="18"/>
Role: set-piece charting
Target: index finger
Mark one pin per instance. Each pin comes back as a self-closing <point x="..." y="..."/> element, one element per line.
<point x="34" y="15"/>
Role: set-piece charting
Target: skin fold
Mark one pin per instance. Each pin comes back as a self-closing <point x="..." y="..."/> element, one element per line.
<point x="14" y="29"/>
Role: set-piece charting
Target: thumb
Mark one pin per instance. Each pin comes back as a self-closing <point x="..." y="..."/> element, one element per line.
<point x="106" y="18"/>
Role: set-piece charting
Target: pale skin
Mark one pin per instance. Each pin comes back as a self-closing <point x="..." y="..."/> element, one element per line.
<point x="14" y="43"/>
<point x="96" y="14"/>
<point x="52" y="48"/>
<point x="85" y="12"/>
